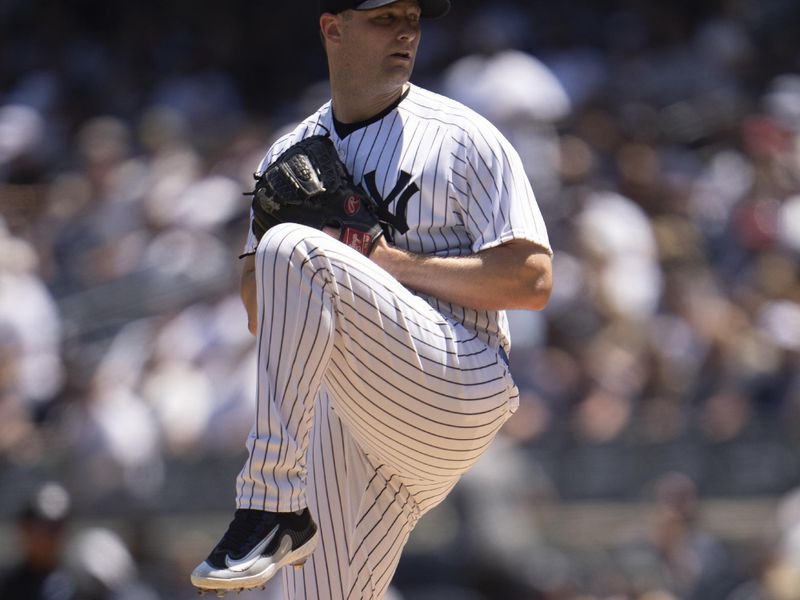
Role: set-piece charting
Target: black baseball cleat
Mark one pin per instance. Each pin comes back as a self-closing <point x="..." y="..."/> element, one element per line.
<point x="256" y="545"/>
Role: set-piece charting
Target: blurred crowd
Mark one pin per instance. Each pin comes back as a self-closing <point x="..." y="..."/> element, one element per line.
<point x="663" y="143"/>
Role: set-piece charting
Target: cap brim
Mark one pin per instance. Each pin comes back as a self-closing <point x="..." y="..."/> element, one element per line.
<point x="431" y="9"/>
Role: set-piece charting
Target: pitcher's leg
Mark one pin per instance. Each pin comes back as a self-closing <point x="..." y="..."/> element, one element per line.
<point x="294" y="338"/>
<point x="364" y="519"/>
<point x="272" y="526"/>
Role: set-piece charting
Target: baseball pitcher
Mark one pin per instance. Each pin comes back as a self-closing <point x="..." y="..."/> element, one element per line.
<point x="390" y="230"/>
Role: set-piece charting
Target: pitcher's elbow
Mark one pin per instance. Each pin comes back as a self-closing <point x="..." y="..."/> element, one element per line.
<point x="252" y="326"/>
<point x="541" y="299"/>
<point x="539" y="290"/>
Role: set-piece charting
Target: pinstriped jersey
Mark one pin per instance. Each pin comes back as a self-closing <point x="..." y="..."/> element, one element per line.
<point x="443" y="171"/>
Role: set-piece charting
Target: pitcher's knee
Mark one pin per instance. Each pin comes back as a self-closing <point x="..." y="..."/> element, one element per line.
<point x="286" y="238"/>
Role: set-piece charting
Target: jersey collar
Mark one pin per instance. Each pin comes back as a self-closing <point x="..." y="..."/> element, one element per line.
<point x="345" y="129"/>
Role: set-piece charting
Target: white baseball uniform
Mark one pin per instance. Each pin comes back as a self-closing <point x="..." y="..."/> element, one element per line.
<point x="374" y="400"/>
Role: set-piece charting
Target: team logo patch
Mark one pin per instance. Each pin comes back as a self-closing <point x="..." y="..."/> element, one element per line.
<point x="352" y="205"/>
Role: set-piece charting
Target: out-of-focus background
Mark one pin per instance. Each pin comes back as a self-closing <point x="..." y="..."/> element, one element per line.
<point x="656" y="451"/>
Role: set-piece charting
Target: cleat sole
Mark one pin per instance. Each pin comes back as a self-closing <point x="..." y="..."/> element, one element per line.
<point x="220" y="586"/>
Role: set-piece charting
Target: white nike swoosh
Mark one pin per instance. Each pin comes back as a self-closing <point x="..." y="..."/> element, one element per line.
<point x="250" y="559"/>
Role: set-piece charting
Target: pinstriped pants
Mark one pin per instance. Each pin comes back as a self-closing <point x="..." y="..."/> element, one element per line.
<point x="370" y="407"/>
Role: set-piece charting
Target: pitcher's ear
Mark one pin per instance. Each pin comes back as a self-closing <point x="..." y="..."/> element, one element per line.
<point x="330" y="27"/>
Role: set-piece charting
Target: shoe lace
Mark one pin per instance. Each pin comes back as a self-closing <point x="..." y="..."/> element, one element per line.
<point x="246" y="528"/>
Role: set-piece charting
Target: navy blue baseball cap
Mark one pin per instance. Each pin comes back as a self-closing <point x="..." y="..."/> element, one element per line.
<point x="431" y="9"/>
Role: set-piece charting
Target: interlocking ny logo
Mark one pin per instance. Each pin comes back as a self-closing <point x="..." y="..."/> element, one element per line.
<point x="402" y="192"/>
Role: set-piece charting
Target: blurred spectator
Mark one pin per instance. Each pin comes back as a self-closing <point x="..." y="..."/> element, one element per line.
<point x="41" y="530"/>
<point x="103" y="567"/>
<point x="678" y="555"/>
<point x="29" y="314"/>
<point x="59" y="562"/>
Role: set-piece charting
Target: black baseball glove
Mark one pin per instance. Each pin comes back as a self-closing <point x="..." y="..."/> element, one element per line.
<point x="309" y="184"/>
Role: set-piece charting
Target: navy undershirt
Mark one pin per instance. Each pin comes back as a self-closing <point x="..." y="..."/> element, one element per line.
<point x="345" y="129"/>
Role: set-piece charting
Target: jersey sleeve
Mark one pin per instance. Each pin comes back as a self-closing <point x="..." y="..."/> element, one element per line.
<point x="496" y="201"/>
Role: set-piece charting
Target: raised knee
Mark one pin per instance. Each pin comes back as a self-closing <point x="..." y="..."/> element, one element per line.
<point x="285" y="237"/>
